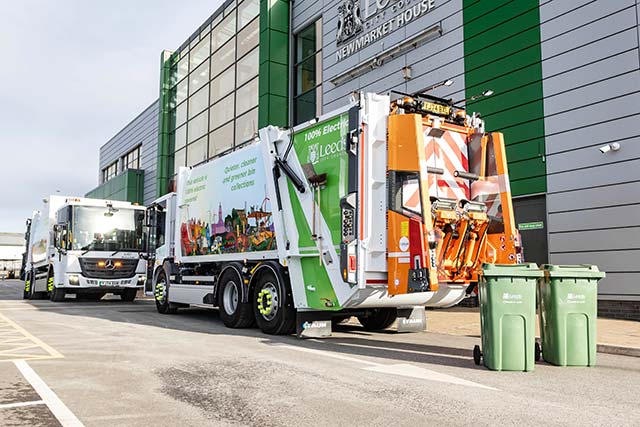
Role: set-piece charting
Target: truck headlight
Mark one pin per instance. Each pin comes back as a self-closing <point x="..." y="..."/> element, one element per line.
<point x="141" y="280"/>
<point x="74" y="280"/>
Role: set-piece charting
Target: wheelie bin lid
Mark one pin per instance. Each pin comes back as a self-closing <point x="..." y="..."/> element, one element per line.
<point x="579" y="271"/>
<point x="512" y="270"/>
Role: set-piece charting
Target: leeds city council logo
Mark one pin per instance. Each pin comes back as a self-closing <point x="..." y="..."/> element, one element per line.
<point x="349" y="20"/>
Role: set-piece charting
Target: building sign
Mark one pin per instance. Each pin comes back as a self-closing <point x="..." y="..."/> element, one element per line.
<point x="531" y="226"/>
<point x="359" y="27"/>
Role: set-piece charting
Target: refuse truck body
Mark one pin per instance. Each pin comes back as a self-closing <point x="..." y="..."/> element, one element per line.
<point x="87" y="247"/>
<point x="374" y="210"/>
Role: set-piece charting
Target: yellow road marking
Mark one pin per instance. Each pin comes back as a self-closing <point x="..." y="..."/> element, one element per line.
<point x="17" y="339"/>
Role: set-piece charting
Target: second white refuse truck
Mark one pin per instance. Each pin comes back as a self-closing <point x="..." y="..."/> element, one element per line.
<point x="375" y="210"/>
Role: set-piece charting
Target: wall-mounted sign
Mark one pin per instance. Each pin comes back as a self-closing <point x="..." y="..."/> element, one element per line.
<point x="359" y="27"/>
<point x="531" y="226"/>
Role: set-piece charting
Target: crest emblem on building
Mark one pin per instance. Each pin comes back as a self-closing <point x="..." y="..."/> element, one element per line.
<point x="349" y="20"/>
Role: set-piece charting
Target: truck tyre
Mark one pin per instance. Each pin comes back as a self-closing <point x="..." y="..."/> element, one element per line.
<point x="273" y="304"/>
<point x="161" y="294"/>
<point x="233" y="312"/>
<point x="28" y="287"/>
<point x="129" y="294"/>
<point x="57" y="294"/>
<point x="380" y="318"/>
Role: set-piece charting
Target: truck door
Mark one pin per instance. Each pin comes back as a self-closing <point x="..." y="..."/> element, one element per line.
<point x="156" y="218"/>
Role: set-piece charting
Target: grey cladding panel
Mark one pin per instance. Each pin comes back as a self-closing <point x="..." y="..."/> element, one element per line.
<point x="587" y="115"/>
<point x="610" y="174"/>
<point x="600" y="133"/>
<point x="592" y="157"/>
<point x="610" y="45"/>
<point x="593" y="219"/>
<point x="582" y="35"/>
<point x="558" y="17"/>
<point x="592" y="94"/>
<point x="603" y="69"/>
<point x="620" y="284"/>
<point x="617" y="261"/>
<point x="599" y="197"/>
<point x="598" y="240"/>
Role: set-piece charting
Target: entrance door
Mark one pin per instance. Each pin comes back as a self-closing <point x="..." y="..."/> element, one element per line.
<point x="531" y="220"/>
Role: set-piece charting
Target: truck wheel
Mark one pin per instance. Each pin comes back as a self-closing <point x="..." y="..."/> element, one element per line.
<point x="161" y="293"/>
<point x="537" y="351"/>
<point x="233" y="312"/>
<point x="129" y="294"/>
<point x="378" y="319"/>
<point x="57" y="294"/>
<point x="273" y="305"/>
<point x="27" y="293"/>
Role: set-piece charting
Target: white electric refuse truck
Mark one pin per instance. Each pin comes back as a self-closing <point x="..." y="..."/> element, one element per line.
<point x="376" y="211"/>
<point x="86" y="247"/>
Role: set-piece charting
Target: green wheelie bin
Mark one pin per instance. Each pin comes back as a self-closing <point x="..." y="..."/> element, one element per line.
<point x="507" y="295"/>
<point x="568" y="297"/>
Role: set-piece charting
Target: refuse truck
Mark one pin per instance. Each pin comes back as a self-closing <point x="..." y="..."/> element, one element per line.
<point x="376" y="210"/>
<point x="86" y="247"/>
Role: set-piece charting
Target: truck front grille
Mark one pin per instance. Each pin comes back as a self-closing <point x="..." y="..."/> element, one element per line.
<point x="96" y="268"/>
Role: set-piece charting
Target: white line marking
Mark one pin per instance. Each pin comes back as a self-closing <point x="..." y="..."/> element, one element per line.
<point x="402" y="369"/>
<point x="52" y="352"/>
<point x="326" y="353"/>
<point x="57" y="407"/>
<point x="21" y="404"/>
<point x="406" y="370"/>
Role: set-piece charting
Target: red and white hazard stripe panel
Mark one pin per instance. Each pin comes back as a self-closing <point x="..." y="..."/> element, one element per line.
<point x="449" y="153"/>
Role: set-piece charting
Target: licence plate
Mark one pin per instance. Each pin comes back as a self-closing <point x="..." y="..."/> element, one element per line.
<point x="436" y="108"/>
<point x="103" y="283"/>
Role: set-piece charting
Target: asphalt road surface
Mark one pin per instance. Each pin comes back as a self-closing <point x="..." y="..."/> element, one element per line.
<point x="110" y="363"/>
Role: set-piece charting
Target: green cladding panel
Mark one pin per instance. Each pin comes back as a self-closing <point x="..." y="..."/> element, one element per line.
<point x="165" y="151"/>
<point x="502" y="53"/>
<point x="128" y="187"/>
<point x="273" y="106"/>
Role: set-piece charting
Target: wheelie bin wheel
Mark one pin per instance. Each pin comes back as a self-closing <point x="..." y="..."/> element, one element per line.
<point x="477" y="354"/>
<point x="538" y="351"/>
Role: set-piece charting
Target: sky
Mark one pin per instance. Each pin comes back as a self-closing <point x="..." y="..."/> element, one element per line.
<point x="72" y="74"/>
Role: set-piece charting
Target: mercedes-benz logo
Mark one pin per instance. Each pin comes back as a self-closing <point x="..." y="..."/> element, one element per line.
<point x="109" y="265"/>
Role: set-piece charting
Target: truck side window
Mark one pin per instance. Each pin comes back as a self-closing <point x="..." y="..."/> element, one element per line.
<point x="160" y="222"/>
<point x="404" y="193"/>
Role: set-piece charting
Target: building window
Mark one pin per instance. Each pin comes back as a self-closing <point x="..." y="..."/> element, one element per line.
<point x="110" y="171"/>
<point x="131" y="160"/>
<point x="307" y="97"/>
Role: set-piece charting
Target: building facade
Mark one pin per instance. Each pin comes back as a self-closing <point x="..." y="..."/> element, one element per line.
<point x="12" y="248"/>
<point x="565" y="77"/>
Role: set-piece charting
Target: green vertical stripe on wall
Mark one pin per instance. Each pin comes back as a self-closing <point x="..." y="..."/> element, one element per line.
<point x="502" y="53"/>
<point x="273" y="105"/>
<point x="165" y="151"/>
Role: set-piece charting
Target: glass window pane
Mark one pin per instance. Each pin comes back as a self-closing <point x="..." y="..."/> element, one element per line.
<point x="246" y="126"/>
<point x="248" y="38"/>
<point x="198" y="102"/>
<point x="223" y="84"/>
<point x="179" y="158"/>
<point x="305" y="107"/>
<point x="181" y="91"/>
<point x="224" y="57"/>
<point x="221" y="112"/>
<point x="306" y="75"/>
<point x="199" y="77"/>
<point x="216" y="20"/>
<point x="247" y="97"/>
<point x="181" y="114"/>
<point x="200" y="52"/>
<point x="183" y="68"/>
<point x="223" y="32"/>
<point x="247" y="67"/>
<point x="197" y="152"/>
<point x="306" y="42"/>
<point x="247" y="10"/>
<point x="181" y="137"/>
<point x="198" y="126"/>
<point x="221" y="139"/>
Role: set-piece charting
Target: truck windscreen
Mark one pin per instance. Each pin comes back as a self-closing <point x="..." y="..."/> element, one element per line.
<point x="107" y="229"/>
